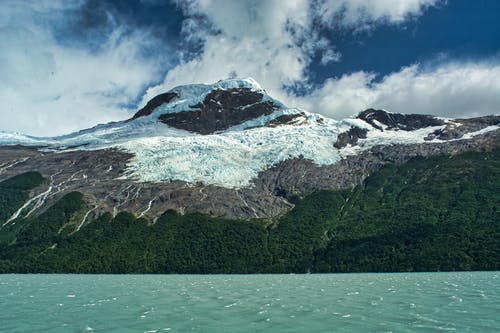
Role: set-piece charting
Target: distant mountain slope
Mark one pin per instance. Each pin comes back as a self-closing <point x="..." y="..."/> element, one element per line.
<point x="436" y="213"/>
<point x="226" y="149"/>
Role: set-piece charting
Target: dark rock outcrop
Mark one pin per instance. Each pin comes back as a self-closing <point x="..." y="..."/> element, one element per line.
<point x="459" y="127"/>
<point x="154" y="103"/>
<point x="220" y="110"/>
<point x="350" y="137"/>
<point x="288" y="119"/>
<point x="406" y="122"/>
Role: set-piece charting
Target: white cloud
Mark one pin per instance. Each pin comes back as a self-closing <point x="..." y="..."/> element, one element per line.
<point x="330" y="56"/>
<point x="47" y="88"/>
<point x="253" y="38"/>
<point x="363" y="13"/>
<point x="453" y="90"/>
<point x="275" y="41"/>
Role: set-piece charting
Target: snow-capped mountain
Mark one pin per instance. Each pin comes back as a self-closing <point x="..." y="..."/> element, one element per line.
<point x="229" y="149"/>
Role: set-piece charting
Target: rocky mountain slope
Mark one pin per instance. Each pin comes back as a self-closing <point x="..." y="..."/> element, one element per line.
<point x="227" y="149"/>
<point x="429" y="214"/>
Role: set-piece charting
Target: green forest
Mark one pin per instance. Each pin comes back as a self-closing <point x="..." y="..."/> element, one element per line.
<point x="430" y="214"/>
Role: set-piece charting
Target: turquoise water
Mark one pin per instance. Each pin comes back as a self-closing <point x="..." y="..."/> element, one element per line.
<point x="413" y="302"/>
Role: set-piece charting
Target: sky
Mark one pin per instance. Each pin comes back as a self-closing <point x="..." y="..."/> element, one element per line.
<point x="68" y="65"/>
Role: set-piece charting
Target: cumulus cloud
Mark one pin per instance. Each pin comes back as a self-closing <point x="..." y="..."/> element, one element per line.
<point x="275" y="42"/>
<point x="49" y="88"/>
<point x="451" y="90"/>
<point x="246" y="38"/>
<point x="52" y="87"/>
<point x="362" y="14"/>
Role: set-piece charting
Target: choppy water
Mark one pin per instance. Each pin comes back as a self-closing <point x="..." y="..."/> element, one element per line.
<point x="414" y="302"/>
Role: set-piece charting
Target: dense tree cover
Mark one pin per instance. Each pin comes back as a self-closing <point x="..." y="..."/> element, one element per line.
<point x="37" y="236"/>
<point x="15" y="191"/>
<point x="192" y="243"/>
<point x="439" y="213"/>
<point x="431" y="214"/>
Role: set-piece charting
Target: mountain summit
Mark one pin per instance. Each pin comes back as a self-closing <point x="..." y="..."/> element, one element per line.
<point x="207" y="109"/>
<point x="228" y="149"/>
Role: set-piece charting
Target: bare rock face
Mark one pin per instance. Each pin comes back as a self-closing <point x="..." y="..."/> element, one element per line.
<point x="406" y="122"/>
<point x="154" y="103"/>
<point x="99" y="175"/>
<point x="350" y="137"/>
<point x="288" y="119"/>
<point x="459" y="127"/>
<point x="298" y="177"/>
<point x="220" y="110"/>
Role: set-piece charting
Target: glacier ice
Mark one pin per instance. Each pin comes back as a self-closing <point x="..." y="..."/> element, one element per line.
<point x="230" y="158"/>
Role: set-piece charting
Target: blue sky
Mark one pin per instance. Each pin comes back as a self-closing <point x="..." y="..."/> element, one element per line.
<point x="460" y="30"/>
<point x="68" y="65"/>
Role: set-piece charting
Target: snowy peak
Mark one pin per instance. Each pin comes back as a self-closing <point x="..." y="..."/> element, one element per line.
<point x="220" y="110"/>
<point x="443" y="128"/>
<point x="206" y="109"/>
<point x="154" y="103"/>
<point x="227" y="133"/>
<point x="229" y="149"/>
<point x="383" y="120"/>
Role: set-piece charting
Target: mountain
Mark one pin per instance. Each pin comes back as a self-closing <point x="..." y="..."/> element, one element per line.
<point x="230" y="158"/>
<point x="229" y="149"/>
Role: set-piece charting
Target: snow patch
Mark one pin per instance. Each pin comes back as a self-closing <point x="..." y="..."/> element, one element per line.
<point x="387" y="137"/>
<point x="193" y="94"/>
<point x="482" y="131"/>
<point x="230" y="159"/>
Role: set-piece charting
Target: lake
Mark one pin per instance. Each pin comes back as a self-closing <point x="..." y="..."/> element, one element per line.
<point x="400" y="302"/>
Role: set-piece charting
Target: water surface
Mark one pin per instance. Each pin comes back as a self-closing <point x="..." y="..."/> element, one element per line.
<point x="413" y="302"/>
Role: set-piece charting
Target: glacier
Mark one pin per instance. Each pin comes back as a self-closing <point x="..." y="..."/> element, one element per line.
<point x="231" y="158"/>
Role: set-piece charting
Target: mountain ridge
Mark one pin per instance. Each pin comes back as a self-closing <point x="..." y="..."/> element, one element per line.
<point x="230" y="150"/>
<point x="429" y="214"/>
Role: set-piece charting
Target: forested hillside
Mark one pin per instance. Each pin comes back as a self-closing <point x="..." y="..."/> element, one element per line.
<point x="439" y="213"/>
